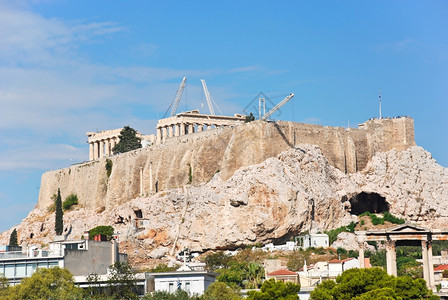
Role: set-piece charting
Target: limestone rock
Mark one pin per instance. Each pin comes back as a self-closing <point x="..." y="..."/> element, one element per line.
<point x="349" y="241"/>
<point x="159" y="252"/>
<point x="280" y="197"/>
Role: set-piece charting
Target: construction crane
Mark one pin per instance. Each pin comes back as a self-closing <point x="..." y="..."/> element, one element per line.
<point x="275" y="108"/>
<point x="176" y="101"/>
<point x="208" y="97"/>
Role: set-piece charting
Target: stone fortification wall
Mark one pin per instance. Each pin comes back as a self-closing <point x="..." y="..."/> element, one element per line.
<point x="196" y="158"/>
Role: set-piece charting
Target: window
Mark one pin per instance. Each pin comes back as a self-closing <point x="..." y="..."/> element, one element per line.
<point x="171" y="287"/>
<point x="187" y="286"/>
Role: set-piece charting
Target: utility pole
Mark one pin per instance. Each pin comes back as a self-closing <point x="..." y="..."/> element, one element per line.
<point x="379" y="98"/>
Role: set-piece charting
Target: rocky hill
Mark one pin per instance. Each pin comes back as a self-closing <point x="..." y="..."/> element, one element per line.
<point x="271" y="201"/>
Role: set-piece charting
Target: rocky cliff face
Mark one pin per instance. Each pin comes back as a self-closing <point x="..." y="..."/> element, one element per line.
<point x="270" y="201"/>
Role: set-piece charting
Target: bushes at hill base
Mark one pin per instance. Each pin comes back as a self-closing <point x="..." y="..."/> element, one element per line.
<point x="220" y="291"/>
<point x="275" y="290"/>
<point x="386" y="217"/>
<point x="104" y="230"/>
<point x="69" y="201"/>
<point x="372" y="283"/>
<point x="333" y="234"/>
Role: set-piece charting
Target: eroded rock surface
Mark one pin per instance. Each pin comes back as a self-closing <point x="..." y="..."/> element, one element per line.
<point x="270" y="201"/>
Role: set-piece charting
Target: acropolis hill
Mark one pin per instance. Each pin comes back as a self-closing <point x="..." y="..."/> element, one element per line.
<point x="197" y="157"/>
<point x="256" y="182"/>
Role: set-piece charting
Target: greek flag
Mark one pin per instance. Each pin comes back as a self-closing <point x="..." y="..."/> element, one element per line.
<point x="178" y="284"/>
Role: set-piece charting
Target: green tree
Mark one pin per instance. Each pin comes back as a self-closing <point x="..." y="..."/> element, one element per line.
<point x="128" y="141"/>
<point x="102" y="229"/>
<point x="275" y="290"/>
<point x="370" y="283"/>
<point x="109" y="165"/>
<point x="249" y="118"/>
<point x="59" y="218"/>
<point x="220" y="291"/>
<point x="121" y="282"/>
<point x="217" y="260"/>
<point x="13" y="239"/>
<point x="254" y="274"/>
<point x="53" y="283"/>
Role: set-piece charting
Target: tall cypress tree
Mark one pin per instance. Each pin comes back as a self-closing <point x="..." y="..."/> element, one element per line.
<point x="13" y="238"/>
<point x="59" y="220"/>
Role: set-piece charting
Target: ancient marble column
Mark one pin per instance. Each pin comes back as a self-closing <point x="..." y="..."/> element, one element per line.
<point x="170" y="131"/>
<point x="428" y="264"/>
<point x="91" y="151"/>
<point x="200" y="127"/>
<point x="164" y="131"/>
<point x="159" y="136"/>
<point x="107" y="146"/>
<point x="432" y="281"/>
<point x="112" y="145"/>
<point x="95" y="150"/>
<point x="101" y="148"/>
<point x="391" y="258"/>
<point x="361" y="255"/>
<point x="182" y="129"/>
<point x="176" y="129"/>
<point x="190" y="128"/>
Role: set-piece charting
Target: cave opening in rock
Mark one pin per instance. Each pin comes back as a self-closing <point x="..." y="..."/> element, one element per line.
<point x="371" y="202"/>
<point x="138" y="213"/>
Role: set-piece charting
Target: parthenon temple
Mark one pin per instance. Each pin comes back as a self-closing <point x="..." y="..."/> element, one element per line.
<point x="191" y="122"/>
<point x="101" y="143"/>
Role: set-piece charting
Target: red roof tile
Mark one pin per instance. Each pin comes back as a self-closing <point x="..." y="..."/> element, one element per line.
<point x="441" y="268"/>
<point x="334" y="261"/>
<point x="282" y="272"/>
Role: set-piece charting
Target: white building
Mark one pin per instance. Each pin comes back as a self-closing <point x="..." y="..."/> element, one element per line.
<point x="80" y="257"/>
<point x="336" y="267"/>
<point x="312" y="240"/>
<point x="194" y="282"/>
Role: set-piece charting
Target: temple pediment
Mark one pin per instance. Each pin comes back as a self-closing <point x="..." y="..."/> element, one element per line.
<point x="408" y="228"/>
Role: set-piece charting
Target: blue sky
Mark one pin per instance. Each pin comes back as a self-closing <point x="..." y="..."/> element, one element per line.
<point x="68" y="67"/>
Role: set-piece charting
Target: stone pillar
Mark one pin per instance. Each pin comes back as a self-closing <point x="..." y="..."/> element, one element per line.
<point x="112" y="145"/>
<point x="428" y="265"/>
<point x="95" y="150"/>
<point x="432" y="282"/>
<point x="176" y="129"/>
<point x="361" y="255"/>
<point x="159" y="136"/>
<point x="164" y="134"/>
<point x="391" y="258"/>
<point x="182" y="129"/>
<point x="425" y="262"/>
<point x="91" y="151"/>
<point x="170" y="131"/>
<point x="190" y="128"/>
<point x="101" y="148"/>
<point x="107" y="146"/>
<point x="200" y="127"/>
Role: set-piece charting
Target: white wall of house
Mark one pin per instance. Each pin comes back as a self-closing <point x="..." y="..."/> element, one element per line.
<point x="192" y="282"/>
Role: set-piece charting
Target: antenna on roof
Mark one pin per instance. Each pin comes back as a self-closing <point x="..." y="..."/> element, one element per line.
<point x="379" y="98"/>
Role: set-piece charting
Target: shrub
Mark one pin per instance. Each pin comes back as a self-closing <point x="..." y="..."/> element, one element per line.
<point x="71" y="200"/>
<point x="387" y="217"/>
<point x="162" y="268"/>
<point x="105" y="230"/>
<point x="109" y="165"/>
